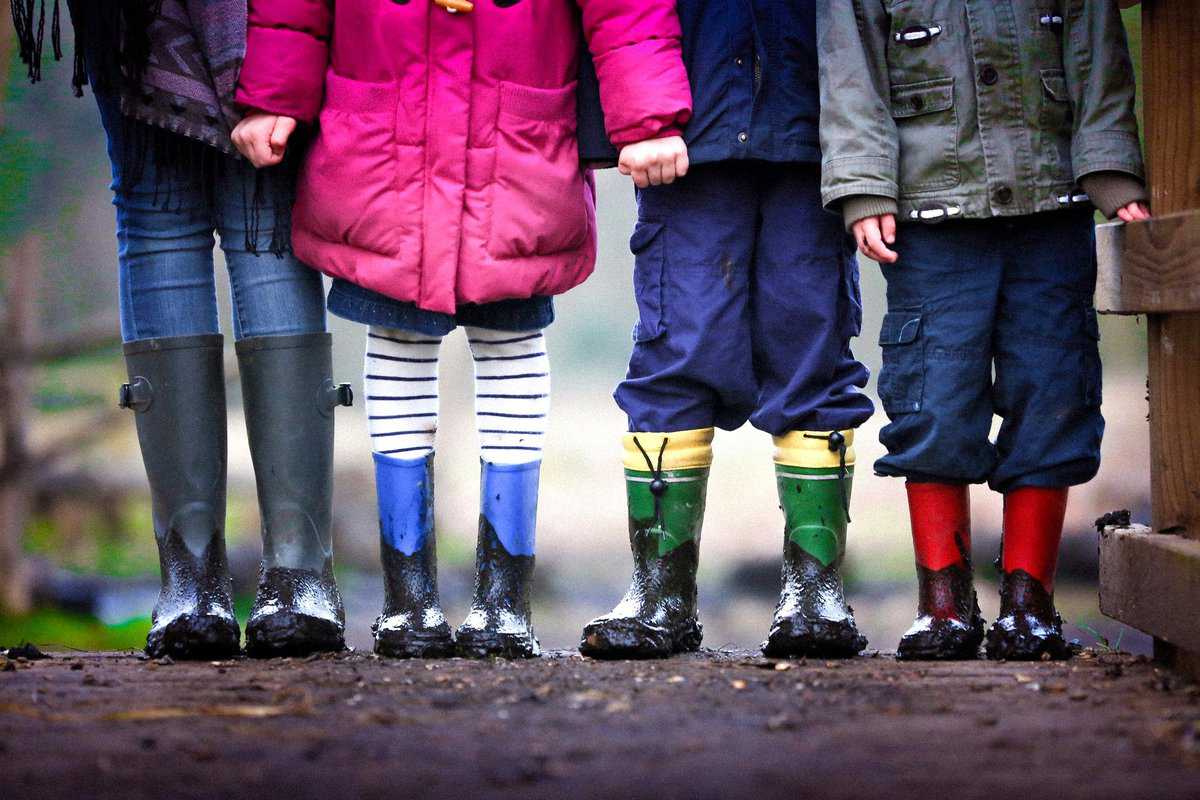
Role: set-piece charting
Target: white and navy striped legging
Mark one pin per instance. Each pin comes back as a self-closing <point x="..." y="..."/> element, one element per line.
<point x="512" y="393"/>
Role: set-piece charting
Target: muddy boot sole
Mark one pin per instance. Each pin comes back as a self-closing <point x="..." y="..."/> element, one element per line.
<point x="621" y="639"/>
<point x="943" y="644"/>
<point x="434" y="643"/>
<point x="289" y="634"/>
<point x="791" y="638"/>
<point x="469" y="643"/>
<point x="202" y="637"/>
<point x="1004" y="645"/>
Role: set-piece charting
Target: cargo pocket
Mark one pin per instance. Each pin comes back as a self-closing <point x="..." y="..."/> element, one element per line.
<point x="902" y="379"/>
<point x="1055" y="124"/>
<point x="1093" y="377"/>
<point x="648" y="266"/>
<point x="539" y="194"/>
<point x="927" y="128"/>
<point x="852" y="317"/>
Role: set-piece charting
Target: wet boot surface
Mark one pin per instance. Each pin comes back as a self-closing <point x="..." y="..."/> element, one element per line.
<point x="500" y="622"/>
<point x="412" y="624"/>
<point x="101" y="726"/>
<point x="290" y="399"/>
<point x="949" y="625"/>
<point x="812" y="617"/>
<point x="176" y="392"/>
<point x="1028" y="628"/>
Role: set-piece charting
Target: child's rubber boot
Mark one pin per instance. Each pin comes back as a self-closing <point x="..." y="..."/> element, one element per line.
<point x="177" y="391"/>
<point x="1029" y="628"/>
<point x="290" y="397"/>
<point x="949" y="625"/>
<point x="814" y="472"/>
<point x="666" y="480"/>
<point x="412" y="624"/>
<point x="500" y="621"/>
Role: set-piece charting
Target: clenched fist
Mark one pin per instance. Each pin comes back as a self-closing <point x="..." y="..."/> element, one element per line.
<point x="262" y="138"/>
<point x="654" y="161"/>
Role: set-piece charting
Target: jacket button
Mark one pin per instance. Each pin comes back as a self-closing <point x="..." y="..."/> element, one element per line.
<point x="1003" y="195"/>
<point x="739" y="61"/>
<point x="743" y="137"/>
<point x="988" y="75"/>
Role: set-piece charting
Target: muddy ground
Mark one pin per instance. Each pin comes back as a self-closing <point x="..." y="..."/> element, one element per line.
<point x="717" y="724"/>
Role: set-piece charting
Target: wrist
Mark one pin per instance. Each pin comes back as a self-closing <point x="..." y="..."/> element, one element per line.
<point x="860" y="206"/>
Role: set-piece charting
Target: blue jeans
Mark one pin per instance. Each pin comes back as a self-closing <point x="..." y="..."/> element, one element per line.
<point x="165" y="235"/>
<point x="748" y="297"/>
<point x="1009" y="295"/>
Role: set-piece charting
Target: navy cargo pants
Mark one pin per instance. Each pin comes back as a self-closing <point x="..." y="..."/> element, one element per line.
<point x="747" y="294"/>
<point x="1013" y="295"/>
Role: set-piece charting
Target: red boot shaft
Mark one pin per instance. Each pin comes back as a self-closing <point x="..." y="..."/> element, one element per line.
<point x="941" y="524"/>
<point x="1033" y="526"/>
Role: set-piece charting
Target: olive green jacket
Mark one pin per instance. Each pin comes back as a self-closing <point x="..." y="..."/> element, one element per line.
<point x="973" y="108"/>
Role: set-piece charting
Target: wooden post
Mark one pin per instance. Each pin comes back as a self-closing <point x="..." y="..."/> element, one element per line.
<point x="1150" y="578"/>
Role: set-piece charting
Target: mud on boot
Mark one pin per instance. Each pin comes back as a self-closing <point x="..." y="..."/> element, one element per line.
<point x="412" y="624"/>
<point x="666" y="481"/>
<point x="949" y="625"/>
<point x="290" y="398"/>
<point x="1028" y="628"/>
<point x="500" y="622"/>
<point x="176" y="390"/>
<point x="814" y="474"/>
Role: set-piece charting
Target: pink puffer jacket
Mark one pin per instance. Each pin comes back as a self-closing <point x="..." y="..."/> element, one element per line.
<point x="445" y="168"/>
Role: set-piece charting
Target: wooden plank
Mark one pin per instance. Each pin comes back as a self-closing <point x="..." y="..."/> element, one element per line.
<point x="1171" y="75"/>
<point x="1149" y="267"/>
<point x="1152" y="582"/>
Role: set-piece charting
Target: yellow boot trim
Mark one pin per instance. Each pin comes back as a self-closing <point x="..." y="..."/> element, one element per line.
<point x="810" y="450"/>
<point x="685" y="450"/>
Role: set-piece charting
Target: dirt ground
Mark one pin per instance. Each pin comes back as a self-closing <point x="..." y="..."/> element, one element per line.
<point x="716" y="724"/>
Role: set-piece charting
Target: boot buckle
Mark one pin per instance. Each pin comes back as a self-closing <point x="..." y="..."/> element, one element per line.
<point x="333" y="395"/>
<point x="136" y="395"/>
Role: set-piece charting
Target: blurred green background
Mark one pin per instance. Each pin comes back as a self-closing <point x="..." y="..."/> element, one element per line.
<point x="78" y="567"/>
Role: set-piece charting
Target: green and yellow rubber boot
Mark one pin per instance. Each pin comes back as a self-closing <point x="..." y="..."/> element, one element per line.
<point x="814" y="472"/>
<point x="666" y="478"/>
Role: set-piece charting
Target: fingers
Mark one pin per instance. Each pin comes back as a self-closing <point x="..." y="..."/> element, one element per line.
<point x="668" y="170"/>
<point x="282" y="131"/>
<point x="869" y="236"/>
<point x="1124" y="215"/>
<point x="682" y="162"/>
<point x="888" y="228"/>
<point x="641" y="178"/>
<point x="654" y="173"/>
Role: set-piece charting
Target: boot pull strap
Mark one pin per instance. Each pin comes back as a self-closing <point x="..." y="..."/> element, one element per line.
<point x="837" y="444"/>
<point x="658" y="486"/>
<point x="137" y="395"/>
<point x="332" y="395"/>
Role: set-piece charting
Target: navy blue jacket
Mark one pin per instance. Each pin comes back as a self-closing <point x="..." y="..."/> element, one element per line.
<point x="753" y="69"/>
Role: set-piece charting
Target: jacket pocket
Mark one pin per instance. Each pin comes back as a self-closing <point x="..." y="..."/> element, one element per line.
<point x="927" y="129"/>
<point x="358" y="187"/>
<point x="902" y="379"/>
<point x="1055" y="124"/>
<point x="649" y="263"/>
<point x="539" y="195"/>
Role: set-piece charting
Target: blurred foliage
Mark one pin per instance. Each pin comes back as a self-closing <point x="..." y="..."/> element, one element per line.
<point x="52" y="629"/>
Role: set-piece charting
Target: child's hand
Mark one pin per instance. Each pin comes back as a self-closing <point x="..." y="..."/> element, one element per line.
<point x="874" y="234"/>
<point x="262" y="138"/>
<point x="1134" y="212"/>
<point x="654" y="161"/>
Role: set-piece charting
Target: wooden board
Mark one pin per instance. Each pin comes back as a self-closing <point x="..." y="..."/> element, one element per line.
<point x="1152" y="582"/>
<point x="1149" y="267"/>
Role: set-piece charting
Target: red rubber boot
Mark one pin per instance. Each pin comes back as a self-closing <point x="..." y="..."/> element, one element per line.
<point x="948" y="624"/>
<point x="1029" y="628"/>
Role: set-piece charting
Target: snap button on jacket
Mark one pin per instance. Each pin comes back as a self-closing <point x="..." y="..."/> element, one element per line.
<point x="445" y="166"/>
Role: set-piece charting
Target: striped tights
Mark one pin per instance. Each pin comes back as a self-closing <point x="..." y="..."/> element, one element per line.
<point x="512" y="393"/>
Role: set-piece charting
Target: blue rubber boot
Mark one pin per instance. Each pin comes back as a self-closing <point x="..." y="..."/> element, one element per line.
<point x="412" y="624"/>
<point x="500" y="621"/>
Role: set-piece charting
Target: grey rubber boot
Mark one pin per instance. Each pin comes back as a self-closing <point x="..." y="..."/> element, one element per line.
<point x="177" y="391"/>
<point x="289" y="398"/>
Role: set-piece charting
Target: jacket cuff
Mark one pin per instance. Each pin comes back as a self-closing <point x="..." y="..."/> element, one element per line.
<point x="857" y="175"/>
<point x="283" y="73"/>
<point x="1110" y="191"/>
<point x="1107" y="151"/>
<point x="644" y="91"/>
<point x="861" y="206"/>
